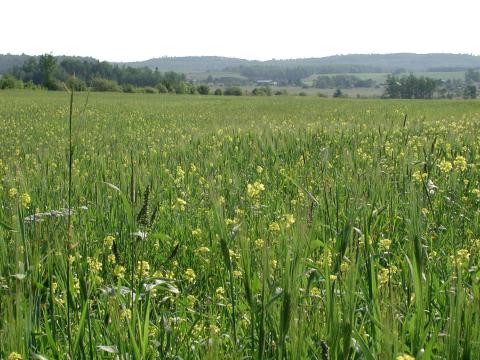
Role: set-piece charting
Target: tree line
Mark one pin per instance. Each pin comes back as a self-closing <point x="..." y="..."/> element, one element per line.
<point x="46" y="72"/>
<point x="413" y="87"/>
<point x="342" y="81"/>
<point x="294" y="75"/>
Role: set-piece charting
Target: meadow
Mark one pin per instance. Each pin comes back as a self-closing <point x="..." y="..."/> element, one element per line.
<point x="208" y="227"/>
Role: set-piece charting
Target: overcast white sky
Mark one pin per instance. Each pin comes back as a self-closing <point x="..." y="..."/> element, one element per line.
<point x="125" y="30"/>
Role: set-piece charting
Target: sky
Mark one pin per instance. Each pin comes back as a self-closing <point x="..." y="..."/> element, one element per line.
<point x="126" y="30"/>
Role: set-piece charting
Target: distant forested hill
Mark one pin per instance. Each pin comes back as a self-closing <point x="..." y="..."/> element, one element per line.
<point x="390" y="62"/>
<point x="192" y="63"/>
<point x="330" y="64"/>
<point x="380" y="62"/>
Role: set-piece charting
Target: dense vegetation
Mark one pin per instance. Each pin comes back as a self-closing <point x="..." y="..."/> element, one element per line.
<point x="100" y="75"/>
<point x="412" y="87"/>
<point x="51" y="72"/>
<point x="227" y="228"/>
<point x="342" y="81"/>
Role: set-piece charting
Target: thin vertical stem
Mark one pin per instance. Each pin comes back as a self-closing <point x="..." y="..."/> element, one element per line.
<point x="69" y="221"/>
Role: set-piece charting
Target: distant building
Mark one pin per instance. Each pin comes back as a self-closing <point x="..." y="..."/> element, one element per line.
<point x="267" y="83"/>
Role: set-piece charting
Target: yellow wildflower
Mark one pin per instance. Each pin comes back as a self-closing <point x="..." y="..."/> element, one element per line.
<point x="14" y="356"/>
<point x="197" y="232"/>
<point x="191" y="300"/>
<point x="94" y="265"/>
<point x="419" y="177"/>
<point x="203" y="250"/>
<point x="404" y="357"/>
<point x="255" y="189"/>
<point x="143" y="268"/>
<point x="385" y="244"/>
<point x="461" y="258"/>
<point x="315" y="291"/>
<point x="233" y="254"/>
<point x="119" y="271"/>
<point x="274" y="227"/>
<point x="259" y="243"/>
<point x="25" y="200"/>
<point x="386" y="274"/>
<point x="12" y="193"/>
<point x="180" y="204"/>
<point x="112" y="259"/>
<point x="108" y="241"/>
<point x="445" y="166"/>
<point x="126" y="314"/>
<point x="220" y="292"/>
<point x="289" y="220"/>
<point x="190" y="275"/>
<point x="460" y="163"/>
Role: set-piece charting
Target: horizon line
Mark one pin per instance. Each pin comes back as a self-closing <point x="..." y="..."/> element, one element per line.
<point x="240" y="58"/>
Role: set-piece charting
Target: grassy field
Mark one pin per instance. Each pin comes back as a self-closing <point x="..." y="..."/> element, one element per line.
<point x="238" y="228"/>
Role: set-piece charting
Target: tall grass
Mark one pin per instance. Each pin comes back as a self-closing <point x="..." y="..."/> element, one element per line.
<point x="207" y="228"/>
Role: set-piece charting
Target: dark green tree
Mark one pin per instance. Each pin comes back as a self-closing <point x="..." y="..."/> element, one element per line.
<point x="472" y="76"/>
<point x="47" y="64"/>
<point x="470" y="92"/>
<point x="203" y="89"/>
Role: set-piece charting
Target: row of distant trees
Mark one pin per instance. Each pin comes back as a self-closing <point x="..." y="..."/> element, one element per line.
<point x="46" y="72"/>
<point x="342" y="81"/>
<point x="413" y="87"/>
<point x="294" y="75"/>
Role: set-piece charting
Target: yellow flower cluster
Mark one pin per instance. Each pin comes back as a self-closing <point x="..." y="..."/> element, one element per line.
<point x="108" y="241"/>
<point x="460" y="163"/>
<point x="385" y="244"/>
<point x="126" y="314"/>
<point x="259" y="243"/>
<point x="405" y="357"/>
<point x="386" y="274"/>
<point x="12" y="192"/>
<point x="25" y="198"/>
<point x="315" y="291"/>
<point x="220" y="292"/>
<point x="94" y="265"/>
<point x="445" y="166"/>
<point x="289" y="220"/>
<point x="197" y="232"/>
<point x="143" y="268"/>
<point x="419" y="176"/>
<point x="119" y="271"/>
<point x="274" y="227"/>
<point x="190" y="275"/>
<point x="253" y="190"/>
<point x="14" y="356"/>
<point x="180" y="204"/>
<point x="461" y="259"/>
<point x="202" y="250"/>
